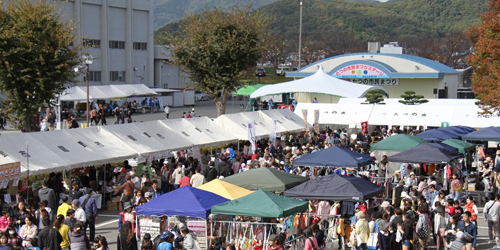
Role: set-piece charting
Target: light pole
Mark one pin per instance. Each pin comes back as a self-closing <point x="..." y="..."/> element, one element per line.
<point x="87" y="59"/>
<point x="300" y="36"/>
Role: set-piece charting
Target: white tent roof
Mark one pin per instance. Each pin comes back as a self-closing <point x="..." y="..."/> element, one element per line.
<point x="212" y="130"/>
<point x="395" y="101"/>
<point x="77" y="93"/>
<point x="320" y="82"/>
<point x="236" y="124"/>
<point x="411" y="115"/>
<point x="469" y="116"/>
<point x="195" y="134"/>
<point x="286" y="118"/>
<point x="336" y="113"/>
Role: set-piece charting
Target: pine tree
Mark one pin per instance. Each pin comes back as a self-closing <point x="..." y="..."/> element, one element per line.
<point x="375" y="96"/>
<point x="411" y="99"/>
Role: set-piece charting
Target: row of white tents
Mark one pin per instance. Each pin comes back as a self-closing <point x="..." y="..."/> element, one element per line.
<point x="350" y="111"/>
<point x="73" y="148"/>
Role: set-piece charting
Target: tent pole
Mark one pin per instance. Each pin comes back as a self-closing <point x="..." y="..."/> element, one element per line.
<point x="250" y="104"/>
<point x="104" y="185"/>
<point x="287" y="99"/>
<point x="238" y="146"/>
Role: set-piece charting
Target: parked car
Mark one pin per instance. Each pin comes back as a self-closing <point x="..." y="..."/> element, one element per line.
<point x="260" y="72"/>
<point x="201" y="96"/>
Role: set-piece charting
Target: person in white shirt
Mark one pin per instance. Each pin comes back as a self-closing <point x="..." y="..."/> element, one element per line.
<point x="135" y="180"/>
<point x="197" y="179"/>
<point x="177" y="175"/>
<point x="79" y="212"/>
<point x="167" y="111"/>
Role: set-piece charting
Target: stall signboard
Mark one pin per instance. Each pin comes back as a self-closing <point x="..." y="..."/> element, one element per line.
<point x="359" y="70"/>
<point x="10" y="170"/>
<point x="380" y="82"/>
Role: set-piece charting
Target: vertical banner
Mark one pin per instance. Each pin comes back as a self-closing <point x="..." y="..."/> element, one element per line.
<point x="251" y="134"/>
<point x="272" y="135"/>
<point x="196" y="152"/>
<point x="304" y="114"/>
<point x="364" y="127"/>
<point x="316" y="120"/>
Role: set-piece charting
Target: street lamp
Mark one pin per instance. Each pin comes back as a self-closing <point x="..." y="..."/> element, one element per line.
<point x="300" y="36"/>
<point x="87" y="59"/>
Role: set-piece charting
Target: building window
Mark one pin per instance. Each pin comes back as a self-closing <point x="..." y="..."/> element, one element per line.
<point x="116" y="45"/>
<point x="165" y="85"/>
<point x="92" y="43"/>
<point x="94" y="76"/>
<point x="117" y="76"/>
<point x="140" y="46"/>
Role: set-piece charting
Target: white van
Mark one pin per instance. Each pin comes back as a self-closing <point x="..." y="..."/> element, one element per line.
<point x="281" y="70"/>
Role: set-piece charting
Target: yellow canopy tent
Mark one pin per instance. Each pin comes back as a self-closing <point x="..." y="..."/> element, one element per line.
<point x="225" y="189"/>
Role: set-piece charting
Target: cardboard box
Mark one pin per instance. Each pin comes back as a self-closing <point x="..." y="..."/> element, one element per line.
<point x="120" y="206"/>
<point x="471" y="187"/>
<point x="113" y="206"/>
<point x="115" y="199"/>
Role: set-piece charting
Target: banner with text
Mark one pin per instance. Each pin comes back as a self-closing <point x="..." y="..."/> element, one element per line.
<point x="364" y="127"/>
<point x="304" y="113"/>
<point x="272" y="135"/>
<point x="251" y="134"/>
<point x="10" y="170"/>
<point x="316" y="120"/>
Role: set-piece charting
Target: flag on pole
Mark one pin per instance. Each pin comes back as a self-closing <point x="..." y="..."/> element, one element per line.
<point x="25" y="185"/>
<point x="304" y="114"/>
<point x="272" y="135"/>
<point x="316" y="120"/>
<point x="251" y="134"/>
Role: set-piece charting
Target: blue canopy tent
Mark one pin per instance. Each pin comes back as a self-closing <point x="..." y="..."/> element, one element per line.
<point x="334" y="157"/>
<point x="336" y="187"/>
<point x="458" y="130"/>
<point x="484" y="134"/>
<point x="427" y="153"/>
<point x="437" y="135"/>
<point x="184" y="202"/>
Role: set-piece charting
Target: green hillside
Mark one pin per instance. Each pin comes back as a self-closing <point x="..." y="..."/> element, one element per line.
<point x="169" y="11"/>
<point x="365" y="21"/>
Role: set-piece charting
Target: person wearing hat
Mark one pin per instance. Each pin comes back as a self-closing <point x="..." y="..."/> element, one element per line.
<point x="384" y="235"/>
<point x="459" y="243"/>
<point x="386" y="207"/>
<point x="274" y="243"/>
<point x="79" y="212"/>
<point x="362" y="229"/>
<point x="148" y="196"/>
<point x="89" y="205"/>
<point x="126" y="215"/>
<point x="411" y="182"/>
<point x="167" y="239"/>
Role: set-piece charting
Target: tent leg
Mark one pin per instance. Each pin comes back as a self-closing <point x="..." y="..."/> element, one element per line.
<point x="250" y="104"/>
<point x="238" y="146"/>
<point x="287" y="99"/>
<point x="104" y="185"/>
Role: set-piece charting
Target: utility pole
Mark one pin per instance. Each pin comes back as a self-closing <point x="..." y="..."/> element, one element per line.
<point x="300" y="36"/>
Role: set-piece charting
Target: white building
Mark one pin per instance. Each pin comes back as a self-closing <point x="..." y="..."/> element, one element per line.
<point x="118" y="34"/>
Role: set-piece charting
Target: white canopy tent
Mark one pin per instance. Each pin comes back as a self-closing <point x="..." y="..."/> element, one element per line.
<point x="211" y="129"/>
<point x="319" y="82"/>
<point x="470" y="116"/>
<point x="78" y="93"/>
<point x="286" y="118"/>
<point x="67" y="149"/>
<point x="339" y="114"/>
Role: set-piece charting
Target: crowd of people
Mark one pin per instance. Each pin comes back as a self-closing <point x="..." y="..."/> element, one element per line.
<point x="423" y="207"/>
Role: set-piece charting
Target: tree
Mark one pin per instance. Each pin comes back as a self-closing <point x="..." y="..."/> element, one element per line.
<point x="35" y="57"/>
<point x="214" y="47"/>
<point x="486" y="59"/>
<point x="374" y="96"/>
<point x="411" y="99"/>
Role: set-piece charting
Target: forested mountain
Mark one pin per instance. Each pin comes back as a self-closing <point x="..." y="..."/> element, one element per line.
<point x="433" y="29"/>
<point x="169" y="11"/>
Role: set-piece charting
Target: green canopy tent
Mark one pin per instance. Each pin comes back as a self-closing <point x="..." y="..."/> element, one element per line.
<point x="397" y="143"/>
<point x="463" y="147"/>
<point x="265" y="178"/>
<point x="275" y="206"/>
<point x="249" y="89"/>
